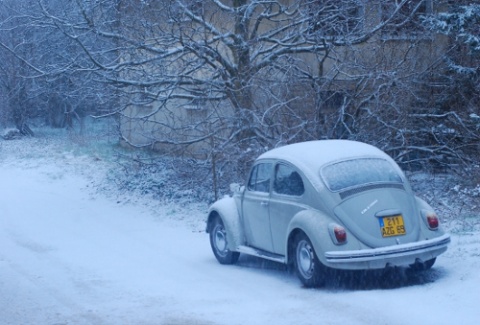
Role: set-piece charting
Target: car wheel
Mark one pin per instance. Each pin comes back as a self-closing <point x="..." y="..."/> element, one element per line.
<point x="423" y="266"/>
<point x="219" y="243"/>
<point x="309" y="269"/>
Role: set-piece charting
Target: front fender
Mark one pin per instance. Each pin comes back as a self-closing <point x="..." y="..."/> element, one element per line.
<point x="315" y="225"/>
<point x="227" y="210"/>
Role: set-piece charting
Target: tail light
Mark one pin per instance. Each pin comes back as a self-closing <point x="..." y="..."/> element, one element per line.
<point x="338" y="234"/>
<point x="431" y="219"/>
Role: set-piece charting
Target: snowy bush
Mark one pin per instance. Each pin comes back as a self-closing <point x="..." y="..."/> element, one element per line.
<point x="11" y="134"/>
<point x="162" y="178"/>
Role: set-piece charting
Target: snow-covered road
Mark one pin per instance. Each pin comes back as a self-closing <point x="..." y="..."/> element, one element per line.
<point x="70" y="257"/>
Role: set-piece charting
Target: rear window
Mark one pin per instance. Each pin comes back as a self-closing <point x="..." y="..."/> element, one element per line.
<point x="357" y="172"/>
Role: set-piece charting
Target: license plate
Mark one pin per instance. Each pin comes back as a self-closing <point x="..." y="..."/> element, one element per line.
<point x="392" y="226"/>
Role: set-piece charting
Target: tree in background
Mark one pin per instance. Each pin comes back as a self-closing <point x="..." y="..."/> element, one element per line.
<point x="462" y="24"/>
<point x="225" y="80"/>
<point x="15" y="66"/>
<point x="458" y="111"/>
<point x="43" y="74"/>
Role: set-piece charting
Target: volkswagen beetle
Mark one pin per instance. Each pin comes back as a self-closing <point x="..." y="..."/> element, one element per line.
<point x="327" y="204"/>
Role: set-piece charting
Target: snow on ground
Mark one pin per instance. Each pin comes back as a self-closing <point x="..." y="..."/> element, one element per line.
<point x="71" y="254"/>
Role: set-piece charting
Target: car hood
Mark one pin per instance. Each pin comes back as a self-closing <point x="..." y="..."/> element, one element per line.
<point x="362" y="213"/>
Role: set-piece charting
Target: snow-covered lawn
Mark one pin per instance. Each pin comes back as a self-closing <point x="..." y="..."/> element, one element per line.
<point x="71" y="253"/>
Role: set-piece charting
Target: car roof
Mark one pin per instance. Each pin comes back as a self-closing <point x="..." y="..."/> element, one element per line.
<point x="321" y="152"/>
<point x="310" y="156"/>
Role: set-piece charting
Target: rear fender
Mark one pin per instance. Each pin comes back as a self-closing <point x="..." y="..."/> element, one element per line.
<point x="422" y="204"/>
<point x="316" y="226"/>
<point x="427" y="233"/>
<point x="227" y="210"/>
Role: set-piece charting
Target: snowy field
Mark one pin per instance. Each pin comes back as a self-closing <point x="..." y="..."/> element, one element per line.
<point x="72" y="251"/>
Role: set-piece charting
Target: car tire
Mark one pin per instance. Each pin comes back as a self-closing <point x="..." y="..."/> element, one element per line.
<point x="219" y="243"/>
<point x="309" y="269"/>
<point x="423" y="266"/>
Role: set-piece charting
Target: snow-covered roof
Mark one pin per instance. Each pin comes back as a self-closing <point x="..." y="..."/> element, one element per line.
<point x="320" y="152"/>
<point x="311" y="155"/>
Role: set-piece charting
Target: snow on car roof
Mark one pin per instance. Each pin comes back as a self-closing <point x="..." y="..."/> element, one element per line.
<point x="311" y="155"/>
<point x="321" y="152"/>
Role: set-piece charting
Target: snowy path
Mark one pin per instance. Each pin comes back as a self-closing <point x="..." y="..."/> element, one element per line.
<point x="69" y="258"/>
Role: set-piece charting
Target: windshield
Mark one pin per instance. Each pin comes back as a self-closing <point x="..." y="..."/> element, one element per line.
<point x="352" y="173"/>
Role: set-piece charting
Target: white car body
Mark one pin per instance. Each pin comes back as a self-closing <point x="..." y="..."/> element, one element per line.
<point x="326" y="204"/>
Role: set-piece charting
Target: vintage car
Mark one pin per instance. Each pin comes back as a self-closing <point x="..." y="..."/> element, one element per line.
<point x="327" y="204"/>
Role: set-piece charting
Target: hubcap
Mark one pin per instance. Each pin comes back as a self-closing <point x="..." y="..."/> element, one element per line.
<point x="220" y="240"/>
<point x="305" y="259"/>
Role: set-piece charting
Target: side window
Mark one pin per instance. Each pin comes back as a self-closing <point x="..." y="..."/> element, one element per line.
<point x="260" y="178"/>
<point x="288" y="181"/>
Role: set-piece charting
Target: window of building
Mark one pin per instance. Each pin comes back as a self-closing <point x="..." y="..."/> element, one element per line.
<point x="197" y="111"/>
<point x="178" y="12"/>
<point x="335" y="18"/>
<point x="406" y="22"/>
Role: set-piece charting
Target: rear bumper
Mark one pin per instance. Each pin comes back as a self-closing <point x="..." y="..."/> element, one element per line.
<point x="404" y="254"/>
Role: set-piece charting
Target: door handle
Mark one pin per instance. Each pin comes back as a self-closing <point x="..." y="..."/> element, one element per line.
<point x="264" y="203"/>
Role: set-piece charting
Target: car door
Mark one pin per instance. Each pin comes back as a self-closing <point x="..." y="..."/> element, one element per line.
<point x="255" y="204"/>
<point x="286" y="200"/>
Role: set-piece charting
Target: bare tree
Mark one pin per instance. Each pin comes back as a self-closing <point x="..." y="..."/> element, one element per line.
<point x="224" y="80"/>
<point x="453" y="84"/>
<point x="213" y="51"/>
<point x="45" y="75"/>
<point x="15" y="48"/>
<point x="404" y="99"/>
